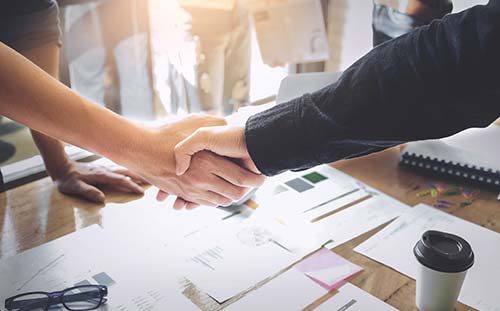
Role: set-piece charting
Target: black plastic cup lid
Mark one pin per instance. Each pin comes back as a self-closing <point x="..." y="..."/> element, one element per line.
<point x="444" y="252"/>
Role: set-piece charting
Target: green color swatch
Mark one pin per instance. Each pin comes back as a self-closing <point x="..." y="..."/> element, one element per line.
<point x="315" y="177"/>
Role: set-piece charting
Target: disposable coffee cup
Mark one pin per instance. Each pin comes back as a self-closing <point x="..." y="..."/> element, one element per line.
<point x="444" y="260"/>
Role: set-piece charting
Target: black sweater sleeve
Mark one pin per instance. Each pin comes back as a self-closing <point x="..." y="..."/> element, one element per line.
<point x="430" y="83"/>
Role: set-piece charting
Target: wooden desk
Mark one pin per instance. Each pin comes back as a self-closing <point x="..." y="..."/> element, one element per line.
<point x="36" y="213"/>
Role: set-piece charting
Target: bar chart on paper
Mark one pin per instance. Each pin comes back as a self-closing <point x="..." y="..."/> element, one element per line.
<point x="308" y="194"/>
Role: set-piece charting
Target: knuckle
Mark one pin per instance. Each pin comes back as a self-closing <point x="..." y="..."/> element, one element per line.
<point x="259" y="180"/>
<point x="202" y="132"/>
<point x="121" y="178"/>
<point x="179" y="149"/>
<point x="190" y="185"/>
<point x="204" y="157"/>
<point x="240" y="179"/>
<point x="216" y="199"/>
<point x="100" y="174"/>
<point x="244" y="179"/>
<point x="222" y="200"/>
<point x="90" y="192"/>
<point x="240" y="193"/>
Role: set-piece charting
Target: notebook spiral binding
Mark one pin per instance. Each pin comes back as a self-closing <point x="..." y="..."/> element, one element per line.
<point x="478" y="175"/>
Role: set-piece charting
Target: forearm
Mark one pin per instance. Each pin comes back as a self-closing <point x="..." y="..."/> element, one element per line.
<point x="430" y="83"/>
<point x="32" y="97"/>
<point x="52" y="152"/>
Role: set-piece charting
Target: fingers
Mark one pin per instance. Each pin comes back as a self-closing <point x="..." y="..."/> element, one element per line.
<point x="227" y="191"/>
<point x="135" y="177"/>
<point x="84" y="190"/>
<point x="180" y="204"/>
<point x="119" y="182"/>
<point x="205" y="203"/>
<point x="162" y="195"/>
<point x="184" y="150"/>
<point x="222" y="140"/>
<point x="191" y="206"/>
<point x="237" y="175"/>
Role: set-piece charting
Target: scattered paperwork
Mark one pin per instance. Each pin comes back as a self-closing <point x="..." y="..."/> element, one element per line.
<point x="352" y="298"/>
<point x="289" y="291"/>
<point x="226" y="261"/>
<point x="223" y="252"/>
<point x="278" y="233"/>
<point x="328" y="269"/>
<point x="480" y="289"/>
<point x="88" y="256"/>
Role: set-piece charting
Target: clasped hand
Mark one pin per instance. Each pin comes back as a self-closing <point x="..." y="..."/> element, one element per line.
<point x="225" y="141"/>
<point x="203" y="176"/>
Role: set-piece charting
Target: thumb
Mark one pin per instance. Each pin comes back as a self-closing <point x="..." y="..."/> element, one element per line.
<point x="222" y="140"/>
<point x="185" y="149"/>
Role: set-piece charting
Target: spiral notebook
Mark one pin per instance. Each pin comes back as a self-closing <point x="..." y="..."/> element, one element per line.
<point x="471" y="155"/>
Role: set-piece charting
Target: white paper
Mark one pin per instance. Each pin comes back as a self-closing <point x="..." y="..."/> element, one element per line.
<point x="244" y="113"/>
<point x="289" y="291"/>
<point x="159" y="224"/>
<point x="88" y="256"/>
<point x="215" y="256"/>
<point x="296" y="85"/>
<point x="347" y="224"/>
<point x="352" y="298"/>
<point x="393" y="246"/>
<point x="228" y="260"/>
<point x="325" y="196"/>
<point x="479" y="147"/>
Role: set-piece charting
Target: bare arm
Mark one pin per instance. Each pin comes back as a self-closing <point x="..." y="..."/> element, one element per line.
<point x="78" y="179"/>
<point x="32" y="97"/>
<point x="25" y="91"/>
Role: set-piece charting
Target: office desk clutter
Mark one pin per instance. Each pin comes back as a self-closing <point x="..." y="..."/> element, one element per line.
<point x="479" y="289"/>
<point x="76" y="298"/>
<point x="443" y="193"/>
<point x="93" y="257"/>
<point x="444" y="261"/>
<point x="223" y="252"/>
<point x="249" y="257"/>
<point x="328" y="269"/>
<point x="471" y="155"/>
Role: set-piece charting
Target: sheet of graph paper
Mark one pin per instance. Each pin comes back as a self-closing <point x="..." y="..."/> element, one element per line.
<point x="480" y="289"/>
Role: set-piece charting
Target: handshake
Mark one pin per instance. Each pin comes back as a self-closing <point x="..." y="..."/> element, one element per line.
<point x="200" y="159"/>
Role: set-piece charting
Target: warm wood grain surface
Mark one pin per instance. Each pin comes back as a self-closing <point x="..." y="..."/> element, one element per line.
<point x="36" y="213"/>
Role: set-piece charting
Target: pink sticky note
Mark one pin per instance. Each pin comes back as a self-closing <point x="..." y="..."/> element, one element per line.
<point x="328" y="269"/>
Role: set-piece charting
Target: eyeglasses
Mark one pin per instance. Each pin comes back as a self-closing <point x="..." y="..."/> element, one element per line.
<point x="78" y="298"/>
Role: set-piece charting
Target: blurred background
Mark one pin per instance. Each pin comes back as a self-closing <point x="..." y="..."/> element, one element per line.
<point x="147" y="59"/>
